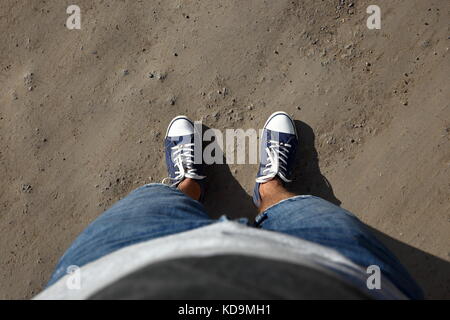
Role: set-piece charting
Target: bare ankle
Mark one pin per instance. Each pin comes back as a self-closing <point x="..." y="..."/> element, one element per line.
<point x="268" y="188"/>
<point x="190" y="188"/>
<point x="271" y="193"/>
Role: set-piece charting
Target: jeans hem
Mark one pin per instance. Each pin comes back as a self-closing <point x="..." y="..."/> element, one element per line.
<point x="263" y="215"/>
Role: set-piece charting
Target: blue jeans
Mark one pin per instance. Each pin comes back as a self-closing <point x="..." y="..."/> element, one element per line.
<point x="156" y="210"/>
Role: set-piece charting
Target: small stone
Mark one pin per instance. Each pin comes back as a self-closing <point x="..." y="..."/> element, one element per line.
<point x="426" y="44"/>
<point x="172" y="100"/>
<point x="28" y="80"/>
<point x="26" y="188"/>
<point x="161" y="76"/>
<point x="125" y="72"/>
<point x="155" y="134"/>
<point x="331" y="140"/>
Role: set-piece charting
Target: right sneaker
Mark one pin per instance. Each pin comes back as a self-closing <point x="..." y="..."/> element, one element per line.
<point x="278" y="146"/>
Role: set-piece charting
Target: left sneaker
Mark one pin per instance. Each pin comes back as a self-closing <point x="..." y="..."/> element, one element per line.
<point x="179" y="145"/>
<point x="279" y="142"/>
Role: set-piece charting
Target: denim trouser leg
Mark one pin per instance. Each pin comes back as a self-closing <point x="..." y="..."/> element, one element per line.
<point x="157" y="210"/>
<point x="149" y="212"/>
<point x="319" y="221"/>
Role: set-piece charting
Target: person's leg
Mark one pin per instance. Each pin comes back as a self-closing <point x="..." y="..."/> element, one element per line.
<point x="152" y="211"/>
<point x="149" y="212"/>
<point x="312" y="218"/>
<point x="319" y="221"/>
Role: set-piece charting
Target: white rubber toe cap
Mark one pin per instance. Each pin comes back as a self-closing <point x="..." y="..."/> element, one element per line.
<point x="180" y="126"/>
<point x="281" y="122"/>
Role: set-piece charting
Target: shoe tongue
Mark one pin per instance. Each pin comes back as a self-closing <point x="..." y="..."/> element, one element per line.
<point x="280" y="136"/>
<point x="182" y="139"/>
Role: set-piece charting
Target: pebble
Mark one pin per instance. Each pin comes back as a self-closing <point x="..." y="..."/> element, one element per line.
<point x="216" y="115"/>
<point x="172" y="100"/>
<point x="426" y="44"/>
<point x="155" y="134"/>
<point x="26" y="188"/>
<point x="28" y="79"/>
<point x="331" y="140"/>
<point x="158" y="75"/>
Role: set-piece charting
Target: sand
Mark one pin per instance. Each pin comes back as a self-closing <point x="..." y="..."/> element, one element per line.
<point x="83" y="114"/>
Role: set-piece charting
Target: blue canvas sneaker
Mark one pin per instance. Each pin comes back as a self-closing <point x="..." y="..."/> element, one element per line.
<point x="179" y="145"/>
<point x="278" y="147"/>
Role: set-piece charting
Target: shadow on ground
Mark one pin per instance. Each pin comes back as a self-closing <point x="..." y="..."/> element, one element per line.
<point x="307" y="176"/>
<point x="230" y="199"/>
<point x="431" y="272"/>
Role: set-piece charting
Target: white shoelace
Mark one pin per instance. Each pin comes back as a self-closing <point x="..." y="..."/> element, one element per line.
<point x="277" y="153"/>
<point x="183" y="158"/>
